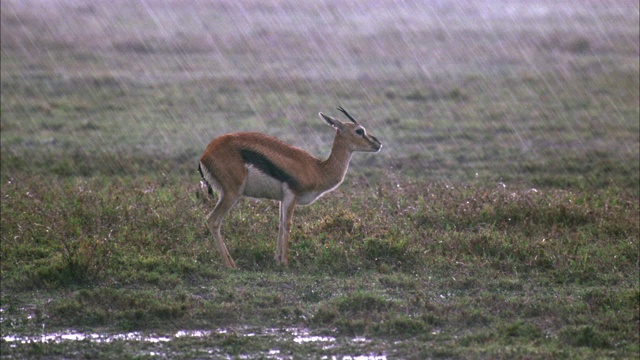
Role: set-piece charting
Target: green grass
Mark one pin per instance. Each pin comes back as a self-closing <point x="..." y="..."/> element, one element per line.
<point x="500" y="219"/>
<point x="469" y="270"/>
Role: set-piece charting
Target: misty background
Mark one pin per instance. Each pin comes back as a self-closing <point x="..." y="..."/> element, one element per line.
<point x="454" y="89"/>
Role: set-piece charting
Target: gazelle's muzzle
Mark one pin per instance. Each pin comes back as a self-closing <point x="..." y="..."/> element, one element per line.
<point x="375" y="143"/>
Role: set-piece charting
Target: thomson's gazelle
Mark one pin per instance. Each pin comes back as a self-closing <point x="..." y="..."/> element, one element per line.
<point x="260" y="166"/>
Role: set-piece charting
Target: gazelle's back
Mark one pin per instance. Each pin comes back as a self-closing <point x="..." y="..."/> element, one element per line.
<point x="257" y="162"/>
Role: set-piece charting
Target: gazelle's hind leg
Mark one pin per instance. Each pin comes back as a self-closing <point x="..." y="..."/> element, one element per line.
<point x="225" y="203"/>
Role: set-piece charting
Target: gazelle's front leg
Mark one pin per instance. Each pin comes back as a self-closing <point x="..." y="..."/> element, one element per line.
<point x="287" y="205"/>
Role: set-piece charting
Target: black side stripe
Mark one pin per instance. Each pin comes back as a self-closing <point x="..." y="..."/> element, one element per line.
<point x="266" y="166"/>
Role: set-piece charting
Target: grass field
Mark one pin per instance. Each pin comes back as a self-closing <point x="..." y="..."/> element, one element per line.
<point x="501" y="219"/>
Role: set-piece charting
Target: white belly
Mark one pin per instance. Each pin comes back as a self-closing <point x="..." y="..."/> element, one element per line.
<point x="263" y="186"/>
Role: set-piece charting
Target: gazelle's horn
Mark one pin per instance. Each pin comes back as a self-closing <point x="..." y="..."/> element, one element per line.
<point x="346" y="113"/>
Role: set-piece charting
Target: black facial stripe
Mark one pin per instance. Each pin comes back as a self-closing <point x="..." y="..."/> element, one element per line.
<point x="266" y="166"/>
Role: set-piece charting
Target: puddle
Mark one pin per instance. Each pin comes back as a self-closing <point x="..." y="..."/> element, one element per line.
<point x="98" y="338"/>
<point x="301" y="336"/>
<point x="359" y="357"/>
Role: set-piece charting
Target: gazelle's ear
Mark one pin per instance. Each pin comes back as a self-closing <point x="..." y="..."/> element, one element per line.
<point x="331" y="121"/>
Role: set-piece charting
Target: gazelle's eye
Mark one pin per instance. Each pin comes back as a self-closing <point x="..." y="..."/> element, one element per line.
<point x="360" y="131"/>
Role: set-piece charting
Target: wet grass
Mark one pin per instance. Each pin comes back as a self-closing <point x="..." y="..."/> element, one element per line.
<point x="440" y="141"/>
<point x="458" y="271"/>
<point x="499" y="221"/>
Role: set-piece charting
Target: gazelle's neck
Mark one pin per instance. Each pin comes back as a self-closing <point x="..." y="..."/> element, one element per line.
<point x="336" y="165"/>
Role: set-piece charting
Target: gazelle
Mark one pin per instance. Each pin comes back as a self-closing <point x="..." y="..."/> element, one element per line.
<point x="261" y="166"/>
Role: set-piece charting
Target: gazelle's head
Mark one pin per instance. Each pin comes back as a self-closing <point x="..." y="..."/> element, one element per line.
<point x="353" y="133"/>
